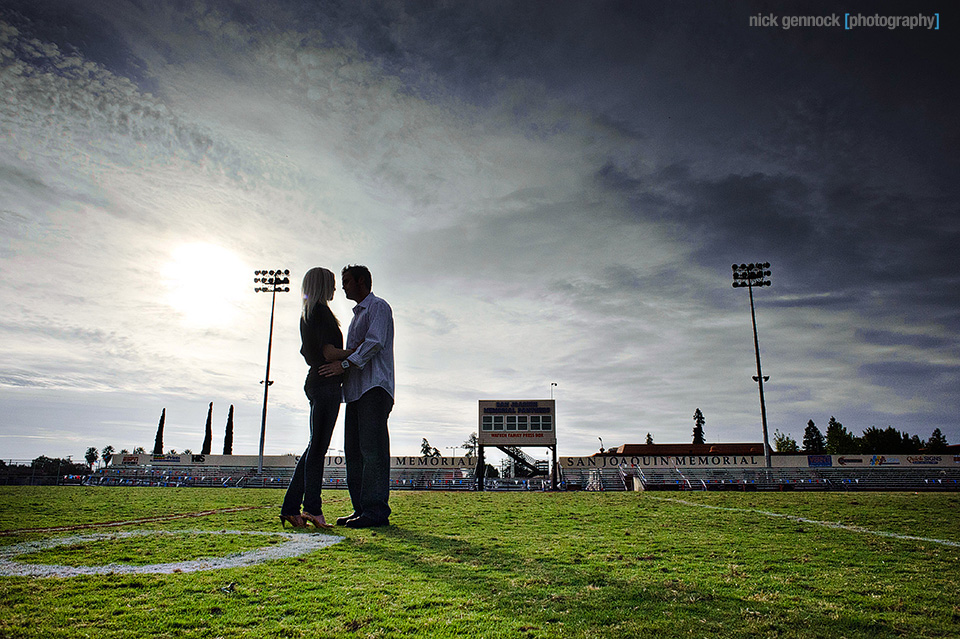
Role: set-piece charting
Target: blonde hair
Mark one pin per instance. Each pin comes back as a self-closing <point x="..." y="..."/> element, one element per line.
<point x="318" y="287"/>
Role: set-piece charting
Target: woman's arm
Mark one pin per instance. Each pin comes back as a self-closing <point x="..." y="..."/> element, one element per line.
<point x="331" y="353"/>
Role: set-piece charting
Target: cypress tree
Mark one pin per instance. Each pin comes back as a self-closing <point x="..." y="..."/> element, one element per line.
<point x="158" y="443"/>
<point x="228" y="436"/>
<point x="208" y="435"/>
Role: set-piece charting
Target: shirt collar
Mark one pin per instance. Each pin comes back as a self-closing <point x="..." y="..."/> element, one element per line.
<point x="364" y="304"/>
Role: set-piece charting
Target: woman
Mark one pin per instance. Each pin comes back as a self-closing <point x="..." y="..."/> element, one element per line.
<point x="321" y="342"/>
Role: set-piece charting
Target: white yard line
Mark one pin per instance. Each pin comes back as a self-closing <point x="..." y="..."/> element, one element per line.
<point x="826" y="524"/>
<point x="130" y="522"/>
<point x="296" y="544"/>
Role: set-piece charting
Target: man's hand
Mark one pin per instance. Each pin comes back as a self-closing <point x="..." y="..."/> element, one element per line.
<point x="331" y="369"/>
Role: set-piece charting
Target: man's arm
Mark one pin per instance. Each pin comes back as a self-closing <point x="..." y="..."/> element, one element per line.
<point x="378" y="331"/>
<point x="335" y="357"/>
<point x="332" y="353"/>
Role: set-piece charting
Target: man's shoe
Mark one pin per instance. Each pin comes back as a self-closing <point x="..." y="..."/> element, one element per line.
<point x="365" y="522"/>
<point x="342" y="521"/>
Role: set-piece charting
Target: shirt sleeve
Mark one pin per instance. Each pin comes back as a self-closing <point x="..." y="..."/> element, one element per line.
<point x="378" y="332"/>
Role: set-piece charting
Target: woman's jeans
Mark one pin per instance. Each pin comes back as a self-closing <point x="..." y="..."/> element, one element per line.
<point x="305" y="485"/>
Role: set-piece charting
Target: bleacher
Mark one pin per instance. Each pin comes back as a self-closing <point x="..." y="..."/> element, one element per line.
<point x="593" y="479"/>
<point x="432" y="479"/>
<point x="613" y="478"/>
<point x="840" y="479"/>
<point x="190" y="476"/>
<point x="334" y="477"/>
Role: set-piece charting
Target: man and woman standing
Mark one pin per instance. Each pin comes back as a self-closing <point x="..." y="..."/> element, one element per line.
<point x="362" y="374"/>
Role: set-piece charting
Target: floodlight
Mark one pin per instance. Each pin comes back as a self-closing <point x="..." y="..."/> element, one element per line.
<point x="274" y="283"/>
<point x="750" y="275"/>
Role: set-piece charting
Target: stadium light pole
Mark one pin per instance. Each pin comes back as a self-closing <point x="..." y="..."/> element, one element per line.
<point x="750" y="275"/>
<point x="552" y="384"/>
<point x="272" y="282"/>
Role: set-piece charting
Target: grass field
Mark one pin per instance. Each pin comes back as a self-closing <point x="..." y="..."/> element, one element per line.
<point x="495" y="565"/>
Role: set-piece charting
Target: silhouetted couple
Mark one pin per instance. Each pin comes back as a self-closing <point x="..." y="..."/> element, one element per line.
<point x="362" y="376"/>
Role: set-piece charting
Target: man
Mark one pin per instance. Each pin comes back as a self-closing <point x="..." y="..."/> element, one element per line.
<point x="368" y="389"/>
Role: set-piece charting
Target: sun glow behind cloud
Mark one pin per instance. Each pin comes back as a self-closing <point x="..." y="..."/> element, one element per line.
<point x="205" y="284"/>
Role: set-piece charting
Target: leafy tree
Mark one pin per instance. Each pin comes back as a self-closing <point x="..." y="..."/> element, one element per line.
<point x="92" y="455"/>
<point x="937" y="442"/>
<point x="649" y="439"/>
<point x="208" y="432"/>
<point x="139" y="450"/>
<point x="910" y="444"/>
<point x="888" y="440"/>
<point x="839" y="441"/>
<point x="54" y="466"/>
<point x="172" y="451"/>
<point x="785" y="443"/>
<point x="471" y="445"/>
<point x="106" y="454"/>
<point x="427" y="450"/>
<point x="813" y="441"/>
<point x="699" y="421"/>
<point x="158" y="442"/>
<point x="124" y="451"/>
<point x="187" y="451"/>
<point x="45" y="465"/>
<point x="228" y="434"/>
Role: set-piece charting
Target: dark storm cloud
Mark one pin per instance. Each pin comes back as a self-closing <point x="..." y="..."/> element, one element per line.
<point x="472" y="48"/>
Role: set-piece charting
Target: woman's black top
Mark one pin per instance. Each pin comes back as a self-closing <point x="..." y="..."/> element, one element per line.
<point x="321" y="328"/>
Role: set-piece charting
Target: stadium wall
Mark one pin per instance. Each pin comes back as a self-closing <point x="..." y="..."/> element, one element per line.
<point x="282" y="461"/>
<point x="709" y="460"/>
<point x="734" y="461"/>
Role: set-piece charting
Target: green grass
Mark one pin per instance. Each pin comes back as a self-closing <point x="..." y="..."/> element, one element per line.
<point x="503" y="565"/>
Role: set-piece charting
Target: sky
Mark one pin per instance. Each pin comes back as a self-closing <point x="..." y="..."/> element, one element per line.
<point x="550" y="195"/>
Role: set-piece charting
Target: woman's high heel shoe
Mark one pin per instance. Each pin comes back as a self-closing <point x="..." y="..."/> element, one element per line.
<point x="316" y="520"/>
<point x="294" y="520"/>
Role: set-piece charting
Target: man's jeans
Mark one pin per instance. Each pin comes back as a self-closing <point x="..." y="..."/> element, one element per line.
<point x="366" y="444"/>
